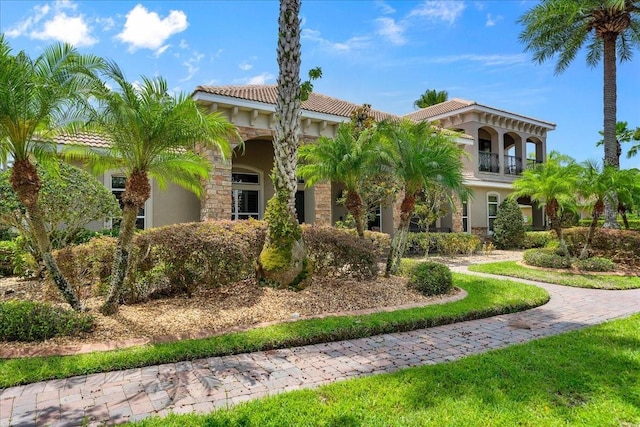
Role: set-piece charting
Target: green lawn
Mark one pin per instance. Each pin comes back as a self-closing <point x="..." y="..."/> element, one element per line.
<point x="486" y="297"/>
<point x="583" y="378"/>
<point x="584" y="280"/>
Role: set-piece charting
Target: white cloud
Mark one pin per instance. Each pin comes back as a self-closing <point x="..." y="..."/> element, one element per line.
<point x="391" y="30"/>
<point x="245" y="66"/>
<point x="354" y="43"/>
<point x="491" y="21"/>
<point x="192" y="65"/>
<point x="447" y="11"/>
<point x="385" y="8"/>
<point x="146" y="30"/>
<point x="69" y="29"/>
<point x="161" y="50"/>
<point x="48" y="22"/>
<point x="259" y="79"/>
<point x="107" y="23"/>
<point x="183" y="44"/>
<point x="485" y="60"/>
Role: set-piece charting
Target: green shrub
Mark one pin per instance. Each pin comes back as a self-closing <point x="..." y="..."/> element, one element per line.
<point x="537" y="239"/>
<point x="180" y="258"/>
<point x="422" y="243"/>
<point x="508" y="227"/>
<point x="336" y="252"/>
<point x="634" y="224"/>
<point x="431" y="278"/>
<point x="547" y="258"/>
<point x="620" y="246"/>
<point x="7" y="254"/>
<point x="595" y="264"/>
<point x="35" y="321"/>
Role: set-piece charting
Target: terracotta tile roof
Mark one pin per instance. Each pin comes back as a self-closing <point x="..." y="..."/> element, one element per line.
<point x="456" y="104"/>
<point x="267" y="93"/>
<point x="441" y="108"/>
<point x="88" y="139"/>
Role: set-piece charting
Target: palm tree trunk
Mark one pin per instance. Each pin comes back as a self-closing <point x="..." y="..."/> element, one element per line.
<point x="26" y="183"/>
<point x="611" y="157"/>
<point x="121" y="259"/>
<point x="354" y="207"/>
<point x="283" y="258"/>
<point x="622" y="210"/>
<point x="399" y="240"/>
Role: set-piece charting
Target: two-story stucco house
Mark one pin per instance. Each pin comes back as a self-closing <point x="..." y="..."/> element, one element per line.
<point x="500" y="144"/>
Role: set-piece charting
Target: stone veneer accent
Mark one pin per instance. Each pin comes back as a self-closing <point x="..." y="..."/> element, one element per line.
<point x="322" y="196"/>
<point x="456" y="215"/>
<point x="216" y="198"/>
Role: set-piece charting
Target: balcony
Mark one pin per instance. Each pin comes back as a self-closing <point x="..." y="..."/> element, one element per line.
<point x="531" y="163"/>
<point x="512" y="165"/>
<point x="488" y="162"/>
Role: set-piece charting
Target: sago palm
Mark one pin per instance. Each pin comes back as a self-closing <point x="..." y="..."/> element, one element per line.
<point x="152" y="134"/>
<point x="553" y="185"/>
<point x="610" y="29"/>
<point x="420" y="157"/>
<point x="38" y="99"/>
<point x="351" y="159"/>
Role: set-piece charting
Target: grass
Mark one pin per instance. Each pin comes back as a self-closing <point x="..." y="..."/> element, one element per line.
<point x="583" y="280"/>
<point x="582" y="378"/>
<point x="486" y="297"/>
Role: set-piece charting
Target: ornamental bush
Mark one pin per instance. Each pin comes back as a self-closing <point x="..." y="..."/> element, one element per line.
<point x="620" y="246"/>
<point x="547" y="258"/>
<point x="595" y="264"/>
<point x="538" y="239"/>
<point x="7" y="253"/>
<point x="69" y="200"/>
<point x="421" y="244"/>
<point x="35" y="321"/>
<point x="431" y="278"/>
<point x="177" y="259"/>
<point x="508" y="227"/>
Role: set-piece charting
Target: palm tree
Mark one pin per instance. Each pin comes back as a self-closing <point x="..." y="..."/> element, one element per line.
<point x="282" y="260"/>
<point x="629" y="194"/>
<point x="431" y="97"/>
<point x="351" y="158"/>
<point x="38" y="98"/>
<point x="153" y="135"/>
<point x="420" y="157"/>
<point x="609" y="28"/>
<point x="594" y="185"/>
<point x="553" y="185"/>
<point x="625" y="134"/>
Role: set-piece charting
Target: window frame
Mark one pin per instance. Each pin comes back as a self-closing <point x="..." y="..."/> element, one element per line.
<point x="108" y="182"/>
<point x="248" y="186"/>
<point x="490" y="217"/>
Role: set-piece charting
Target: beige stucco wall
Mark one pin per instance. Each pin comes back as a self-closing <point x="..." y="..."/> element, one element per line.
<point x="173" y="205"/>
<point x="477" y="205"/>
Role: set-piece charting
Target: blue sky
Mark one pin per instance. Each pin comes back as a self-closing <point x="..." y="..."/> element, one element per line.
<point x="386" y="53"/>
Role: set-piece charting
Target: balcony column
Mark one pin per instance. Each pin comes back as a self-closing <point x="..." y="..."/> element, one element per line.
<point x="500" y="151"/>
<point x="521" y="152"/>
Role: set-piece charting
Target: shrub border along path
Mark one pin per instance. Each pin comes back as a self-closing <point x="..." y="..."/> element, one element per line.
<point x="206" y="384"/>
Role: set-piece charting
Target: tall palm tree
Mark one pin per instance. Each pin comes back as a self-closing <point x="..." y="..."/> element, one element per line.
<point x="625" y="134"/>
<point x="153" y="135"/>
<point x="38" y="98"/>
<point x="351" y="158"/>
<point x="553" y="185"/>
<point x="420" y="157"/>
<point x="431" y="97"/>
<point x="282" y="260"/>
<point x="609" y="28"/>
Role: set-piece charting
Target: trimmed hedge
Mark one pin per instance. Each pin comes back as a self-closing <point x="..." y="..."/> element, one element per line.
<point x="421" y="244"/>
<point x="634" y="224"/>
<point x="595" y="264"/>
<point x="620" y="246"/>
<point x="538" y="239"/>
<point x="177" y="259"/>
<point x="35" y="321"/>
<point x="547" y="258"/>
<point x="431" y="278"/>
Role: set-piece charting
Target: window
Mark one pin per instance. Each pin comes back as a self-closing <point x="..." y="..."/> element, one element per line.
<point x="375" y="219"/>
<point x="117" y="188"/>
<point x="245" y="195"/>
<point x="465" y="216"/>
<point x="492" y="209"/>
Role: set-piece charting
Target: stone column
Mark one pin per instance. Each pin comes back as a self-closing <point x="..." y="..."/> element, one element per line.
<point x="456" y="215"/>
<point x="322" y="203"/>
<point x="215" y="202"/>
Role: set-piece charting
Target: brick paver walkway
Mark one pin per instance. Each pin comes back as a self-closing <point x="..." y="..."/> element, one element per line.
<point x="202" y="385"/>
